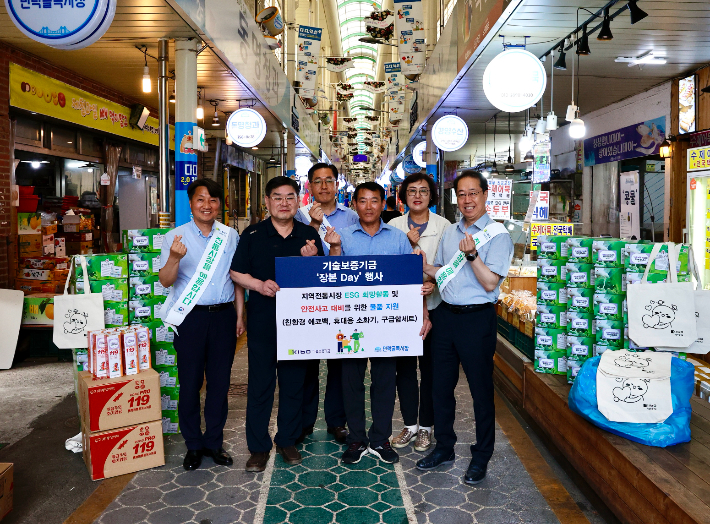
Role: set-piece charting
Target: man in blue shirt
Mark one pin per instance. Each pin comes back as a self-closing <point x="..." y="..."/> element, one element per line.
<point x="207" y="337"/>
<point x="325" y="211"/>
<point x="465" y="327"/>
<point x="370" y="236"/>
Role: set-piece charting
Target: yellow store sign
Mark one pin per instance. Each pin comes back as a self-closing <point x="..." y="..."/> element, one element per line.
<point x="47" y="96"/>
<point x="699" y="158"/>
<point x="548" y="229"/>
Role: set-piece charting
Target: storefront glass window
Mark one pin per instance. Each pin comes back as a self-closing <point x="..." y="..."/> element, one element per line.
<point x="63" y="138"/>
<point x="81" y="177"/>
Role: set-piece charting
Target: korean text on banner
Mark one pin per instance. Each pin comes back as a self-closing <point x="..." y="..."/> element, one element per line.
<point x="348" y="307"/>
<point x="548" y="229"/>
<point x="629" y="219"/>
<point x="498" y="203"/>
<point x="541" y="211"/>
<point x="308" y="55"/>
<point x="409" y="30"/>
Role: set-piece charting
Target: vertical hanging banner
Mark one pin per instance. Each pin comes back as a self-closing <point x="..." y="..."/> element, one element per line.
<point x="394" y="84"/>
<point x="308" y="54"/>
<point x="629" y="217"/>
<point x="409" y="30"/>
<point x="541" y="165"/>
<point x="185" y="169"/>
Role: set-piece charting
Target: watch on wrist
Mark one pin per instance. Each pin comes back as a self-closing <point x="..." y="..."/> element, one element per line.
<point x="473" y="257"/>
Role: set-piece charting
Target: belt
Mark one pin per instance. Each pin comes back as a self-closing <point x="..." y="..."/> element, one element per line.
<point x="213" y="308"/>
<point x="472" y="308"/>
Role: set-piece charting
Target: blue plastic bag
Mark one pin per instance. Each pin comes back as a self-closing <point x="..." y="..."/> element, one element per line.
<point x="674" y="430"/>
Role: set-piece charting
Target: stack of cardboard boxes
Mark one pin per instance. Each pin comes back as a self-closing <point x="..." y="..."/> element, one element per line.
<point x="146" y="298"/>
<point x="78" y="233"/>
<point x="40" y="268"/>
<point x="582" y="308"/>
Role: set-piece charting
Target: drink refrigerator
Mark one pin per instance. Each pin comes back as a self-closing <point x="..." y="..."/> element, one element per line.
<point x="698" y="222"/>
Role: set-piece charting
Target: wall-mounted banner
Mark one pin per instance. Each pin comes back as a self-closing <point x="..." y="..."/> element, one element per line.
<point x="393" y="78"/>
<point x="348" y="307"/>
<point x="642" y="139"/>
<point x="47" y="96"/>
<point x="412" y="63"/>
<point x="475" y="20"/>
<point x="541" y="164"/>
<point x="409" y="25"/>
<point x="541" y="211"/>
<point x="308" y="54"/>
<point x="185" y="169"/>
<point x="629" y="219"/>
<point x="498" y="201"/>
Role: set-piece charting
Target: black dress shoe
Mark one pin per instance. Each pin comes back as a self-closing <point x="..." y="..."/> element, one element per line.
<point x="340" y="434"/>
<point x="193" y="459"/>
<point x="306" y="431"/>
<point x="435" y="459"/>
<point x="219" y="456"/>
<point x="474" y="474"/>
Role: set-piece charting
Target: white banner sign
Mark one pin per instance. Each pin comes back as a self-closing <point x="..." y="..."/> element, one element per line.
<point x="498" y="202"/>
<point x="541" y="211"/>
<point x="409" y="30"/>
<point x="348" y="307"/>
<point x="629" y="217"/>
<point x="308" y="54"/>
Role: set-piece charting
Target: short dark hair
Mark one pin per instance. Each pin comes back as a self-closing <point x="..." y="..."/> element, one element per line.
<point x="279" y="181"/>
<point x="418" y="177"/>
<point x="391" y="202"/>
<point x="470" y="173"/>
<point x="213" y="188"/>
<point x="369" y="186"/>
<point x="322" y="165"/>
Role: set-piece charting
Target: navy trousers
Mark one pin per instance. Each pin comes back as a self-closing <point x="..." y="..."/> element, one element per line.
<point x="382" y="396"/>
<point x="333" y="402"/>
<point x="468" y="339"/>
<point x="205" y="348"/>
<point x="264" y="371"/>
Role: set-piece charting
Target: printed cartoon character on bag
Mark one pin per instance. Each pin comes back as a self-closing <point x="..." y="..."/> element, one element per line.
<point x="632" y="390"/>
<point x="76" y="322"/>
<point x="660" y="315"/>
<point x="633" y="361"/>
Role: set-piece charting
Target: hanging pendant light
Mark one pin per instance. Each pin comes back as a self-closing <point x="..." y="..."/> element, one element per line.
<point x="605" y="32"/>
<point x="576" y="127"/>
<point x="494" y="168"/>
<point x="583" y="44"/>
<point x="509" y="167"/>
<point x="561" y="62"/>
<point x="665" y="149"/>
<point x="572" y="108"/>
<point x="529" y="157"/>
<point x="200" y="113"/>
<point x="637" y="14"/>
<point x="172" y="97"/>
<point x="147" y="87"/>
<point x="215" y="118"/>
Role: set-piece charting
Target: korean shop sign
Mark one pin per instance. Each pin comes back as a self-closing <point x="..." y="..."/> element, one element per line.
<point x="699" y="159"/>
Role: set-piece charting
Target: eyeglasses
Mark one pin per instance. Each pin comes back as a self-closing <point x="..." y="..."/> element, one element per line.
<point x="472" y="194"/>
<point x="320" y="181"/>
<point x="290" y="199"/>
<point x="413" y="191"/>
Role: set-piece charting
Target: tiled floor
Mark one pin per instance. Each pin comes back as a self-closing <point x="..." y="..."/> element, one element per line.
<point x="321" y="490"/>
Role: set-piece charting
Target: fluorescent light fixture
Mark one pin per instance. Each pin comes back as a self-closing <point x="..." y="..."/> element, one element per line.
<point x="646" y="58"/>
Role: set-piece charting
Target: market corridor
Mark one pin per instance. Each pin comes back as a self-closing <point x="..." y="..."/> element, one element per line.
<point x="321" y="490"/>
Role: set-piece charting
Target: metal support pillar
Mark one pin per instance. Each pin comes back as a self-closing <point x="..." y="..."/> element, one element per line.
<point x="185" y="120"/>
<point x="164" y="133"/>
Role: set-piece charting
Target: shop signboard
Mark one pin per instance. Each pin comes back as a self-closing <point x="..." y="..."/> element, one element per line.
<point x="559" y="229"/>
<point x="246" y="127"/>
<point x="498" y="201"/>
<point x="698" y="159"/>
<point x="418" y="154"/>
<point x="629" y="219"/>
<point x="449" y="133"/>
<point x="541" y="210"/>
<point x="642" y="139"/>
<point x="514" y="80"/>
<point x="474" y="23"/>
<point x="409" y="165"/>
<point x="541" y="164"/>
<point x="309" y="41"/>
<point x="348" y="307"/>
<point x="46" y="96"/>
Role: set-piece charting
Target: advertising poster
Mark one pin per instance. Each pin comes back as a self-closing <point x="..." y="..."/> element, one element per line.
<point x="686" y="105"/>
<point x="642" y="139"/>
<point x="474" y="23"/>
<point x="541" y="164"/>
<point x="308" y="54"/>
<point x="548" y="229"/>
<point x="185" y="170"/>
<point x="498" y="202"/>
<point x="629" y="216"/>
<point x="348" y="307"/>
<point x="541" y="210"/>
<point x="409" y="31"/>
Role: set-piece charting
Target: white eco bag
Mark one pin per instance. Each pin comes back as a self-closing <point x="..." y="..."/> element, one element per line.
<point x="635" y="387"/>
<point x="701" y="346"/>
<point x="75" y="315"/>
<point x="662" y="314"/>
